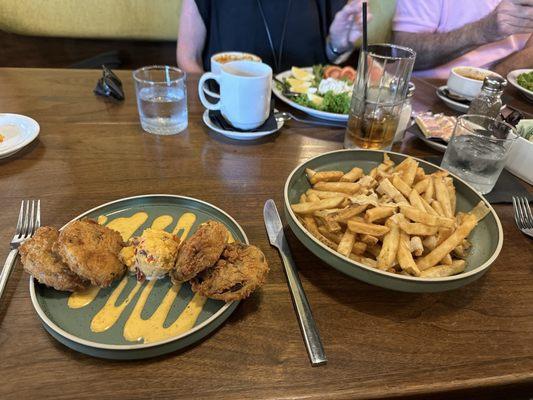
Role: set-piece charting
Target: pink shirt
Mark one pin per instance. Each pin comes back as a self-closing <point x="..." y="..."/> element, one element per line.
<point x="438" y="16"/>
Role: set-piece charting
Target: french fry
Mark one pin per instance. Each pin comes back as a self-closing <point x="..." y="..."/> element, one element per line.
<point x="359" y="248"/>
<point x="353" y="175"/>
<point x="448" y="245"/>
<point x="324" y="194"/>
<point x="438" y="208"/>
<point x="416" y="200"/>
<point x="405" y="259"/>
<point x="416" y="215"/>
<point x="430" y="242"/>
<point x="416" y="246"/>
<point x="369" y="229"/>
<point x="367" y="182"/>
<point x="343" y="187"/>
<point x="364" y="260"/>
<point x="386" y="187"/>
<point x="429" y="209"/>
<point x="303" y="198"/>
<point x="422" y="186"/>
<point x="324" y="176"/>
<point x="451" y="193"/>
<point x="369" y="240"/>
<point x="388" y="252"/>
<point x="440" y="271"/>
<point x="446" y="260"/>
<point x="409" y="173"/>
<point x="311" y="207"/>
<point x="443" y="196"/>
<point x="333" y="238"/>
<point x="387" y="160"/>
<point x="312" y="197"/>
<point x="349" y="212"/>
<point x="373" y="173"/>
<point x="430" y="190"/>
<point x="480" y="211"/>
<point x="309" y="173"/>
<point x="420" y="175"/>
<point x="374" y="250"/>
<point x="417" y="228"/>
<point x="402" y="187"/>
<point x="376" y="213"/>
<point x="346" y="244"/>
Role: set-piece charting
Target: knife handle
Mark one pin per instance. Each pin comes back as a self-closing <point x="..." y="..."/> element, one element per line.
<point x="315" y="349"/>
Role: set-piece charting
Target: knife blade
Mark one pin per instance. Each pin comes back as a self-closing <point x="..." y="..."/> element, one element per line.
<point x="308" y="327"/>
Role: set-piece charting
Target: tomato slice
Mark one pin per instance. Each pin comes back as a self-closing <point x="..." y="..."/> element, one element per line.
<point x="348" y="73"/>
<point x="332" y="71"/>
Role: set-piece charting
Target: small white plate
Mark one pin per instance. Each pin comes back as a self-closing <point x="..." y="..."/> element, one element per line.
<point x="239" y="135"/>
<point x="18" y="131"/>
<point x="454" y="105"/>
<point x="513" y="75"/>
<point x="308" y="110"/>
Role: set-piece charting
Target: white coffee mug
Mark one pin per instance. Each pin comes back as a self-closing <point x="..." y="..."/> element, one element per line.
<point x="245" y="89"/>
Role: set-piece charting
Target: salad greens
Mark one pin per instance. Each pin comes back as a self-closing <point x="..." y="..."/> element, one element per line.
<point x="332" y="102"/>
<point x="526" y="80"/>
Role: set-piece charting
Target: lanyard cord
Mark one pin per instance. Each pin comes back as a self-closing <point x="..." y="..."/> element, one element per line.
<point x="277" y="60"/>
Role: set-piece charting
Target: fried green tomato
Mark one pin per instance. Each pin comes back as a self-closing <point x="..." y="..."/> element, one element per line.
<point x="240" y="270"/>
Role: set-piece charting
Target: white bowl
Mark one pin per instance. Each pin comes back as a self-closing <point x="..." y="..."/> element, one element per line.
<point x="520" y="160"/>
<point x="513" y="75"/>
<point x="468" y="88"/>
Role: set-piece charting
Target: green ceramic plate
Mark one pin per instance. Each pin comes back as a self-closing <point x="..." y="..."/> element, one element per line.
<point x="72" y="326"/>
<point x="486" y="238"/>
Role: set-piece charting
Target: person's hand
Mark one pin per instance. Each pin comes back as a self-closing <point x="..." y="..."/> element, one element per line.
<point x="347" y="26"/>
<point x="508" y="18"/>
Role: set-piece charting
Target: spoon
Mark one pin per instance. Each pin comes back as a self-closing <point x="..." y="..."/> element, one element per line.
<point x="282" y="116"/>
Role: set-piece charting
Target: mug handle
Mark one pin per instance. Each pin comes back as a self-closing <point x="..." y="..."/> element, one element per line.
<point x="207" y="104"/>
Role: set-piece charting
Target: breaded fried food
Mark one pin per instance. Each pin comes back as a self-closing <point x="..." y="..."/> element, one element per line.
<point x="200" y="251"/>
<point x="91" y="251"/>
<point x="46" y="265"/>
<point x="151" y="255"/>
<point x="240" y="270"/>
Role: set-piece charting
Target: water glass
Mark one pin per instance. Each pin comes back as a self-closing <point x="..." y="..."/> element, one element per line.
<point x="161" y="99"/>
<point x="478" y="150"/>
<point x="383" y="75"/>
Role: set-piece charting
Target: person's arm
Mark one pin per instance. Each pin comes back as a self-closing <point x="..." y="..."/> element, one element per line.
<point x="191" y="38"/>
<point x="432" y="49"/>
<point x="520" y="59"/>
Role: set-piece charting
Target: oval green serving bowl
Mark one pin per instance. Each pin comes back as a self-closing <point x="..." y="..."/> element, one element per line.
<point x="486" y="238"/>
<point x="72" y="327"/>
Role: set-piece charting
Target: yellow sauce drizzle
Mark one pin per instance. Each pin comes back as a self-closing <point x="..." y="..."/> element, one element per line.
<point x="137" y="329"/>
<point x="185" y="222"/>
<point x="151" y="329"/>
<point x="162" y="222"/>
<point x="126" y="226"/>
<point x="82" y="298"/>
<point x="110" y="313"/>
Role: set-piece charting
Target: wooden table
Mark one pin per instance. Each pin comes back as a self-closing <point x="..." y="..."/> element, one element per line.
<point x="476" y="341"/>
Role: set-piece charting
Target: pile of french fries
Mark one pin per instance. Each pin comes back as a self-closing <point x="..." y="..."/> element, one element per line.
<point x="397" y="218"/>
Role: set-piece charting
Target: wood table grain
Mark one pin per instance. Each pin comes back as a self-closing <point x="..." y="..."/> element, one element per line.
<point x="474" y="342"/>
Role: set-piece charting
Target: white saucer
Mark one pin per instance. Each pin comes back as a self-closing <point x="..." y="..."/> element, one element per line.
<point x="18" y="131"/>
<point x="454" y="105"/>
<point x="239" y="135"/>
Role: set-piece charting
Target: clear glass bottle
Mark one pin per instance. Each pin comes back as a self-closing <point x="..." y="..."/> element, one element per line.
<point x="489" y="100"/>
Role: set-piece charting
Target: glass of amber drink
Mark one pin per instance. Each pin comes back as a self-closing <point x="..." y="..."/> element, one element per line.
<point x="383" y="76"/>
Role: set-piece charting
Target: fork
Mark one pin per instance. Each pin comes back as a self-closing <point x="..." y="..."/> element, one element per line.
<point x="523" y="215"/>
<point x="28" y="222"/>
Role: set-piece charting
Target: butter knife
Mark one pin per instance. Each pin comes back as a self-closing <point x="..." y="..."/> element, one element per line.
<point x="312" y="340"/>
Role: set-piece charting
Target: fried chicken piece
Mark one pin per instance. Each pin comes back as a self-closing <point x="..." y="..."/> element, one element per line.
<point x="39" y="260"/>
<point x="200" y="251"/>
<point x="241" y="269"/>
<point x="91" y="251"/>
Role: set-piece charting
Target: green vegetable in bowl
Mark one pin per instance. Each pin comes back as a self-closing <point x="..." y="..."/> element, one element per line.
<point x="526" y="80"/>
